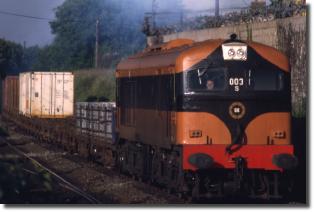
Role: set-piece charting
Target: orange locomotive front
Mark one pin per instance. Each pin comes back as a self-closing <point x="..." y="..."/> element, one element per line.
<point x="208" y="117"/>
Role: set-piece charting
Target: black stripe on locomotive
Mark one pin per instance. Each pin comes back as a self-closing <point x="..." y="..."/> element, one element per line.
<point x="157" y="92"/>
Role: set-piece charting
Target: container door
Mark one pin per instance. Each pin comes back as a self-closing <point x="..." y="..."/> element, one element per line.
<point x="65" y="89"/>
<point x="22" y="94"/>
<point x="25" y="90"/>
<point x="46" y="94"/>
<point x="68" y="94"/>
<point x="59" y="89"/>
<point x="36" y="94"/>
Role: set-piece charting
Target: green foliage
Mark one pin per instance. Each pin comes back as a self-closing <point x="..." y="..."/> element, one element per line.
<point x="75" y="30"/>
<point x="31" y="56"/>
<point x="47" y="59"/>
<point x="11" y="57"/>
<point x="96" y="84"/>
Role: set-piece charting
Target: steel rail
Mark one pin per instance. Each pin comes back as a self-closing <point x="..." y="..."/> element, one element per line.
<point x="69" y="185"/>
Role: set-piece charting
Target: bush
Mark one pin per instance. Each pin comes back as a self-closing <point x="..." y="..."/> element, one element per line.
<point x="93" y="85"/>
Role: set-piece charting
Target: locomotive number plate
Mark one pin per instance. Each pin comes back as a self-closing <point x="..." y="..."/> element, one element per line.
<point x="237" y="83"/>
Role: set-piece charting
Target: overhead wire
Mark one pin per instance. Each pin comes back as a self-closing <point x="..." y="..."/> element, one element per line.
<point x="25" y="16"/>
<point x="33" y="17"/>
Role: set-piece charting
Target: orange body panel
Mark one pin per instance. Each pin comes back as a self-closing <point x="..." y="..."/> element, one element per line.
<point x="260" y="131"/>
<point x="213" y="130"/>
<point x="195" y="54"/>
<point x="267" y="125"/>
<point x="272" y="55"/>
<point x="176" y="43"/>
<point x="146" y="72"/>
<point x="179" y="55"/>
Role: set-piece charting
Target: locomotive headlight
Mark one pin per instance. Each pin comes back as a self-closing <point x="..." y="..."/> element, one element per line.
<point x="234" y="51"/>
<point x="240" y="53"/>
<point x="231" y="53"/>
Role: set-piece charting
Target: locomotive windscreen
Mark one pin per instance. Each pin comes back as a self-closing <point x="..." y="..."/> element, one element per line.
<point x="233" y="78"/>
<point x="259" y="80"/>
<point x="207" y="79"/>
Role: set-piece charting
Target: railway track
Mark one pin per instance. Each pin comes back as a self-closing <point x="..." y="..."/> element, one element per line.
<point x="62" y="181"/>
<point x="104" y="183"/>
<point x="114" y="184"/>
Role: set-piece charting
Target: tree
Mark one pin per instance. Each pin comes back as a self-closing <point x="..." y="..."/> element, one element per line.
<point x="75" y="28"/>
<point x="11" y="58"/>
<point x="31" y="57"/>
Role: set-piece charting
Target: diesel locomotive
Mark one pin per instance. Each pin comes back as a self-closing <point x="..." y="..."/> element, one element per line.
<point x="206" y="118"/>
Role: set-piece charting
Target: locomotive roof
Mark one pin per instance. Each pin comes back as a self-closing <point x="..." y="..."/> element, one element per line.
<point x="181" y="54"/>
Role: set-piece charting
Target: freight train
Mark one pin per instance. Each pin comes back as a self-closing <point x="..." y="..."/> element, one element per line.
<point x="207" y="118"/>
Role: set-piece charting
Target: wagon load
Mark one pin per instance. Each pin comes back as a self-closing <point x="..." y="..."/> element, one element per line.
<point x="96" y="119"/>
<point x="10" y="94"/>
<point x="46" y="94"/>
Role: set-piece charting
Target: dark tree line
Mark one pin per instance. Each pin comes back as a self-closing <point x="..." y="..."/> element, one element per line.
<point x="11" y="57"/>
<point x="74" y="27"/>
<point x="75" y="31"/>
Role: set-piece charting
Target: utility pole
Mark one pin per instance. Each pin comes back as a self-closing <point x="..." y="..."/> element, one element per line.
<point x="97" y="45"/>
<point x="154" y="13"/>
<point x="216" y="8"/>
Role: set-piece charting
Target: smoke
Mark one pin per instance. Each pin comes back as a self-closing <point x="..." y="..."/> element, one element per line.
<point x="210" y="4"/>
<point x="173" y="11"/>
<point x="37" y="32"/>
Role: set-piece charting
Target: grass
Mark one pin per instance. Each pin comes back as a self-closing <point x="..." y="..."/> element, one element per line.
<point x="94" y="84"/>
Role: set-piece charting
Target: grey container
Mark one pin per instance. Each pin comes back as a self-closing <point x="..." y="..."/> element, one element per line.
<point x="96" y="119"/>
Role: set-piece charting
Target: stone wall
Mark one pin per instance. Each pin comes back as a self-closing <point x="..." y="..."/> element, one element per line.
<point x="292" y="39"/>
<point x="288" y="35"/>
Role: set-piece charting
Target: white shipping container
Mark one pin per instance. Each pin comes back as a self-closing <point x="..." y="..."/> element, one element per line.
<point x="46" y="94"/>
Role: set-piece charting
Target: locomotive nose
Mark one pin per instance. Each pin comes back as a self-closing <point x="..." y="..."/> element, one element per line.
<point x="285" y="161"/>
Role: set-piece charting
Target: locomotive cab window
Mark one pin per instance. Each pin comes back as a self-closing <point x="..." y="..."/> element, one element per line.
<point x="265" y="80"/>
<point x="206" y="79"/>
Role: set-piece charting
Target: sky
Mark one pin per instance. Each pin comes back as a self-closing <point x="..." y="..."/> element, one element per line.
<point x="32" y="31"/>
<point x="37" y="32"/>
